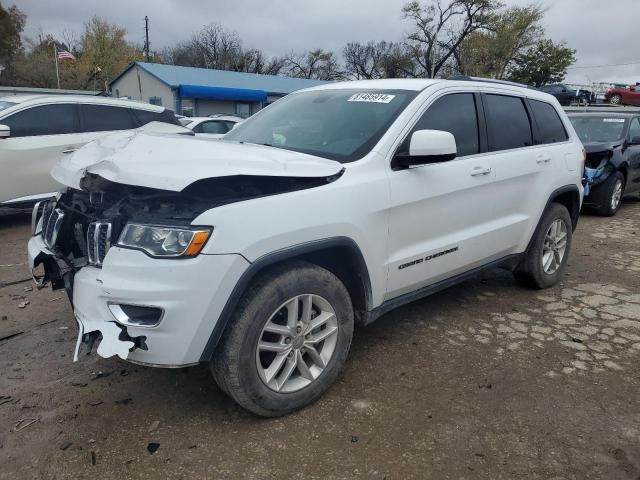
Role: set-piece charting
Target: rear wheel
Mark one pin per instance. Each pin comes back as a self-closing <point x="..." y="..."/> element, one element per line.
<point x="288" y="340"/>
<point x="546" y="259"/>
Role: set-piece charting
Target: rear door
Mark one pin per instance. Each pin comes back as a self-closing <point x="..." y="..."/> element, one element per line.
<point x="39" y="137"/>
<point x="525" y="164"/>
<point x="442" y="220"/>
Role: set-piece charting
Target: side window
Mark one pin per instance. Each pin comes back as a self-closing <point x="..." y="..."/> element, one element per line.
<point x="212" y="127"/>
<point x="454" y="113"/>
<point x="105" y="118"/>
<point x="549" y="124"/>
<point x="634" y="129"/>
<point x="145" y="116"/>
<point x="56" y="119"/>
<point x="508" y="123"/>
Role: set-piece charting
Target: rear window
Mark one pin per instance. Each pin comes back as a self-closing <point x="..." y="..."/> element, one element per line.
<point x="56" y="119"/>
<point x="215" y="127"/>
<point x="550" y="127"/>
<point x="145" y="116"/>
<point x="105" y="118"/>
<point x="508" y="123"/>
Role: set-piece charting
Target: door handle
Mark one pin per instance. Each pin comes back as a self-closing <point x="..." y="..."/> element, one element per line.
<point x="69" y="150"/>
<point x="479" y="170"/>
<point x="543" y="158"/>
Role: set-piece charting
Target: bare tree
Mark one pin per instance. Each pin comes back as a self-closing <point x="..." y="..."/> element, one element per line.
<point x="440" y="28"/>
<point x="314" y="64"/>
<point x="378" y="60"/>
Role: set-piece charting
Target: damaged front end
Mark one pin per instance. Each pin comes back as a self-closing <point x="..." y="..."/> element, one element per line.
<point x="598" y="166"/>
<point x="76" y="231"/>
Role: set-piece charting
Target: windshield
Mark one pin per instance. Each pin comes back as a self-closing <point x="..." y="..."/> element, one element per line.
<point x="598" y="129"/>
<point x="4" y="104"/>
<point x="342" y="125"/>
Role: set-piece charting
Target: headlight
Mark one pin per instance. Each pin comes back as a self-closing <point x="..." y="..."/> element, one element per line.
<point x="162" y="241"/>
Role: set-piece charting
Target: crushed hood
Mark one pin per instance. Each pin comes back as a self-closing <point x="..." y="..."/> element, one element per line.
<point x="172" y="162"/>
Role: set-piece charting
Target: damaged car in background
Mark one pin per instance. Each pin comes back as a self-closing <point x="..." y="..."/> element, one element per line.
<point x="612" y="167"/>
<point x="334" y="205"/>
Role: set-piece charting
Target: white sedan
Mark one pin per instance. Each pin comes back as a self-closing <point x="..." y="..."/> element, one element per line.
<point x="212" y="127"/>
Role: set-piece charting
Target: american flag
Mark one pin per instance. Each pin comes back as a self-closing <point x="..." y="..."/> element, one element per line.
<point x="62" y="53"/>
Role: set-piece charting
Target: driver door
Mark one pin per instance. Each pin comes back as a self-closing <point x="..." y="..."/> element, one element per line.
<point x="442" y="221"/>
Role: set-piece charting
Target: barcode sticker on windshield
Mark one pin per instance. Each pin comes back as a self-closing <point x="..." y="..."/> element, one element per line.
<point x="371" y="97"/>
<point x="613" y="120"/>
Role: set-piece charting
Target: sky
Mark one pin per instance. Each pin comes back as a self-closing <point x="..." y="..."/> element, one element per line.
<point x="601" y="35"/>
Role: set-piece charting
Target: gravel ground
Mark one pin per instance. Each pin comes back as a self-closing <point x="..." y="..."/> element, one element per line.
<point x="484" y="380"/>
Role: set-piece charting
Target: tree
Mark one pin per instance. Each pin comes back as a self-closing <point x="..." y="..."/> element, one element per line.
<point x="216" y="47"/>
<point x="544" y="62"/>
<point x="377" y="60"/>
<point x="314" y="64"/>
<point x="489" y="53"/>
<point x="105" y="52"/>
<point x="12" y="23"/>
<point x="439" y="30"/>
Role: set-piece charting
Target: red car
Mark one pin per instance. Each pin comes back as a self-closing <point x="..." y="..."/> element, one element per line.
<point x="623" y="96"/>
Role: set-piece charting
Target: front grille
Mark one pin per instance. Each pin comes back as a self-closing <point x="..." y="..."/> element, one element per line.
<point x="51" y="223"/>
<point x="98" y="242"/>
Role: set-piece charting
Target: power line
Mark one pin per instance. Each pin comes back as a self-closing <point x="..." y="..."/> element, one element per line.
<point x="610" y="65"/>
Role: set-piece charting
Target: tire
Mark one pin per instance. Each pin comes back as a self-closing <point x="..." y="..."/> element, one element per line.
<point x="255" y="376"/>
<point x="615" y="99"/>
<point x="532" y="271"/>
<point x="608" y="195"/>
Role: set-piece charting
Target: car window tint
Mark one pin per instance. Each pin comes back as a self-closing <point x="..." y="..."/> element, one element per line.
<point x="145" y="116"/>
<point x="456" y="114"/>
<point x="634" y="129"/>
<point x="214" y="127"/>
<point x="105" y="118"/>
<point x="550" y="126"/>
<point x="56" y="119"/>
<point x="507" y="122"/>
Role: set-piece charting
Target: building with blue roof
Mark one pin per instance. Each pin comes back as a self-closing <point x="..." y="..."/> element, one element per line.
<point x="201" y="92"/>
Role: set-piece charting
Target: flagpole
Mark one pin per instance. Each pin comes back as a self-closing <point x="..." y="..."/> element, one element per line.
<point x="55" y="54"/>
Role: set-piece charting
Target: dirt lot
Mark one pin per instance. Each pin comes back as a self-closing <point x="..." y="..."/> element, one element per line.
<point x="485" y="380"/>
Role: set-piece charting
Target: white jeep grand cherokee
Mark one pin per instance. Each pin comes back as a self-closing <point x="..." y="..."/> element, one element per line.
<point x="259" y="253"/>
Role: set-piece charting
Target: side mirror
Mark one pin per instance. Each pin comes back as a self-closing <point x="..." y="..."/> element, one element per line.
<point x="427" y="146"/>
<point x="5" y="131"/>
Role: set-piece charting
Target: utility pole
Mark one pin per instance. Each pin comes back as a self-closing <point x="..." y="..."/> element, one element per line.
<point x="146" y="38"/>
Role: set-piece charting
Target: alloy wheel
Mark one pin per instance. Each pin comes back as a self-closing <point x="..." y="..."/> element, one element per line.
<point x="616" y="195"/>
<point x="554" y="247"/>
<point x="296" y="343"/>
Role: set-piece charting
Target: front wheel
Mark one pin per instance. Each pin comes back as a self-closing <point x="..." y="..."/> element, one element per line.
<point x="546" y="259"/>
<point x="609" y="195"/>
<point x="288" y="340"/>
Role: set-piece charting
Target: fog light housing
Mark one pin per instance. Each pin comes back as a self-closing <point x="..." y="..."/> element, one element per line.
<point x="136" y="315"/>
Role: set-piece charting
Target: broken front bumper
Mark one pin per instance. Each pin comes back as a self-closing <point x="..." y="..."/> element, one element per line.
<point x="188" y="294"/>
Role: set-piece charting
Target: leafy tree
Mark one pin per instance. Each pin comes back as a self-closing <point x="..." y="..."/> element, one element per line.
<point x="439" y="29"/>
<point x="544" y="62"/>
<point x="105" y="52"/>
<point x="315" y="64"/>
<point x="489" y="53"/>
<point x="12" y="23"/>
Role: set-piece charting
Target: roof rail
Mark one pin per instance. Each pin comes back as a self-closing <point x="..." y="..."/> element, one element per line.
<point x="489" y="80"/>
